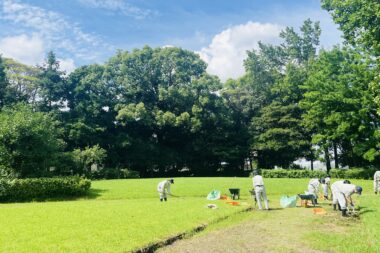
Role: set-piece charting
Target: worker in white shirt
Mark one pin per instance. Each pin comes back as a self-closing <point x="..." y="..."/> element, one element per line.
<point x="376" y="182"/>
<point x="313" y="188"/>
<point x="163" y="188"/>
<point x="258" y="184"/>
<point x="334" y="192"/>
<point x="342" y="192"/>
<point x="326" y="186"/>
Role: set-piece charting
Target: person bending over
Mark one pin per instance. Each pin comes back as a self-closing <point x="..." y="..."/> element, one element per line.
<point x="163" y="189"/>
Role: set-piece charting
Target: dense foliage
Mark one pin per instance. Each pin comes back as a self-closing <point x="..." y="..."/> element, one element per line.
<point x="157" y="112"/>
<point x="42" y="188"/>
<point x="29" y="142"/>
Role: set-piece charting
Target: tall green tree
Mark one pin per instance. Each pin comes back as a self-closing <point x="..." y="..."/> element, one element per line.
<point x="170" y="112"/>
<point x="52" y="84"/>
<point x="23" y="82"/>
<point x="90" y="102"/>
<point x="30" y="142"/>
<point x="359" y="21"/>
<point x="301" y="47"/>
<point x="275" y="129"/>
<point x="3" y="82"/>
<point x="278" y="133"/>
<point x="340" y="108"/>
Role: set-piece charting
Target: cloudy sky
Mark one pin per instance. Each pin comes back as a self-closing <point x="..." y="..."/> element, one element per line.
<point x="90" y="31"/>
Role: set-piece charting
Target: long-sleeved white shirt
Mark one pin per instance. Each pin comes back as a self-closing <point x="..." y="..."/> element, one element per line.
<point x="347" y="189"/>
<point x="164" y="186"/>
<point x="376" y="177"/>
<point x="314" y="182"/>
<point x="258" y="181"/>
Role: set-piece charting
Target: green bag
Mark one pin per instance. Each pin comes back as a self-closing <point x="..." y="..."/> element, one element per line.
<point x="287" y="201"/>
<point x="213" y="195"/>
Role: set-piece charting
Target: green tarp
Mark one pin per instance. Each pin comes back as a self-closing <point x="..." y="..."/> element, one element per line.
<point x="287" y="201"/>
<point x="213" y="195"/>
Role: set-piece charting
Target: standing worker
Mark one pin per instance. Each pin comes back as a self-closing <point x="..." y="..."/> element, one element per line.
<point x="342" y="192"/>
<point x="376" y="181"/>
<point x="258" y="184"/>
<point x="313" y="188"/>
<point x="163" y="188"/>
<point x="325" y="187"/>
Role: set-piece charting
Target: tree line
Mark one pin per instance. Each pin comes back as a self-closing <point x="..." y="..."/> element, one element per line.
<point x="158" y="112"/>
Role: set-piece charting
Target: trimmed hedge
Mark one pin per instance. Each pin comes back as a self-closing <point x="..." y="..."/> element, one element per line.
<point x="353" y="173"/>
<point x="42" y="188"/>
<point x="281" y="173"/>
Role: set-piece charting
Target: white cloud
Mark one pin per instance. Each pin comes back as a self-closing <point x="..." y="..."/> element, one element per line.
<point x="118" y="6"/>
<point x="24" y="48"/>
<point x="67" y="65"/>
<point x="56" y="32"/>
<point x="227" y="51"/>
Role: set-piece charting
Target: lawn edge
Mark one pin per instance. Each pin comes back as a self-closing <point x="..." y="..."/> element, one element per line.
<point x="150" y="248"/>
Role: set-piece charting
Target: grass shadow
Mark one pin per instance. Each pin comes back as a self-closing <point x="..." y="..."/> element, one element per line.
<point x="276" y="208"/>
<point x="91" y="194"/>
<point x="363" y="209"/>
<point x="94" y="193"/>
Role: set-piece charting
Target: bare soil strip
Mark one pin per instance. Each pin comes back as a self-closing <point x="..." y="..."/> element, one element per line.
<point x="153" y="247"/>
<point x="276" y="231"/>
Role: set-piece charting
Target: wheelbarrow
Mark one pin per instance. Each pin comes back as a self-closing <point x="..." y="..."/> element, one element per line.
<point x="305" y="198"/>
<point x="235" y="193"/>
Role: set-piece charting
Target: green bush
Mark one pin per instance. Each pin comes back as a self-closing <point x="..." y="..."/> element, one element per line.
<point x="281" y="173"/>
<point x="29" y="141"/>
<point x="357" y="173"/>
<point x="42" y="188"/>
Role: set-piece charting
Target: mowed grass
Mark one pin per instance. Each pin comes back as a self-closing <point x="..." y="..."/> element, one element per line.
<point x="123" y="215"/>
<point x="353" y="235"/>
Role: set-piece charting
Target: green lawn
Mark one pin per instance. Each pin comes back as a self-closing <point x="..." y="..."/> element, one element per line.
<point x="122" y="215"/>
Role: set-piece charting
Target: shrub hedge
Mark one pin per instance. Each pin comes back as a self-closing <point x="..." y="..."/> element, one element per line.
<point x="281" y="173"/>
<point x="357" y="173"/>
<point x="353" y="173"/>
<point x="42" y="188"/>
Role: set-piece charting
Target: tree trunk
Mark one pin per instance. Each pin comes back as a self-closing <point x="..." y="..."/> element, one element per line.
<point x="327" y="158"/>
<point x="336" y="156"/>
<point x="312" y="164"/>
<point x="250" y="162"/>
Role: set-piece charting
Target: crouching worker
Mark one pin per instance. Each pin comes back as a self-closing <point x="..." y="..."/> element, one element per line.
<point x="313" y="188"/>
<point x="258" y="184"/>
<point x="376" y="182"/>
<point x="342" y="192"/>
<point x="163" y="188"/>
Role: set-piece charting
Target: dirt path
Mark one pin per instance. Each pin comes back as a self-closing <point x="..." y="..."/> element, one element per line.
<point x="270" y="232"/>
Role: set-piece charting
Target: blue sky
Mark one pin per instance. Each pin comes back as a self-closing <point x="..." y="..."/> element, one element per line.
<point x="89" y="31"/>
